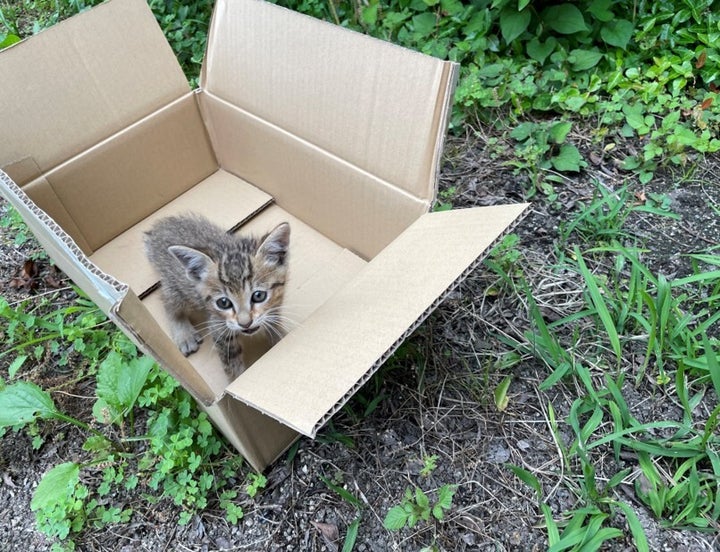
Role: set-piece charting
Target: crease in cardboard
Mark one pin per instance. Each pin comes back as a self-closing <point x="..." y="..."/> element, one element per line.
<point x="115" y="135"/>
<point x="315" y="147"/>
<point x="443" y="112"/>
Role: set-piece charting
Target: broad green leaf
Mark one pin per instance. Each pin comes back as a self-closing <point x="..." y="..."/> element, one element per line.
<point x="617" y="33"/>
<point x="522" y="4"/>
<point x="540" y="51"/>
<point x="523" y="131"/>
<point x="445" y="496"/>
<point x="421" y="498"/>
<point x="600" y="9"/>
<point x="559" y="131"/>
<point x="395" y="519"/>
<point x="369" y="14"/>
<point x="568" y="159"/>
<point x="513" y="23"/>
<point x="119" y="383"/>
<point x="451" y="7"/>
<point x="564" y="19"/>
<point x="582" y="60"/>
<point x="23" y="402"/>
<point x="56" y="486"/>
<point x="424" y="23"/>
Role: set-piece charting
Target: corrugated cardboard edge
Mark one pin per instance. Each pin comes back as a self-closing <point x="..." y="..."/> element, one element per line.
<point x="380" y="361"/>
<point x="110" y="291"/>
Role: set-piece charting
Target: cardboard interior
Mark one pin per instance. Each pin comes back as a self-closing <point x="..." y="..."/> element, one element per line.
<point x="336" y="133"/>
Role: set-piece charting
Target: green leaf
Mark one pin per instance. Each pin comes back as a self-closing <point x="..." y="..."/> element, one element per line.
<point x="395" y="519"/>
<point x="23" y="402"/>
<point x="568" y="159"/>
<point x="351" y="535"/>
<point x="617" y="33"/>
<point x="119" y="383"/>
<point x="445" y="496"/>
<point x="523" y="131"/>
<point x="582" y="60"/>
<point x="369" y="14"/>
<point x="424" y="23"/>
<point x="8" y="40"/>
<point x="56" y="486"/>
<point x="564" y="19"/>
<point x="540" y="51"/>
<point x="500" y="394"/>
<point x="451" y="7"/>
<point x="559" y="131"/>
<point x="421" y="499"/>
<point x="600" y="9"/>
<point x="513" y="23"/>
<point x="16" y="365"/>
<point x="526" y="477"/>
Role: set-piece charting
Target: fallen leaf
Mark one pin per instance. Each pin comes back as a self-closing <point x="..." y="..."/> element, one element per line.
<point x="701" y="60"/>
<point x="51" y="279"/>
<point x="27" y="279"/>
<point x="641" y="197"/>
<point x="329" y="533"/>
<point x="707" y="103"/>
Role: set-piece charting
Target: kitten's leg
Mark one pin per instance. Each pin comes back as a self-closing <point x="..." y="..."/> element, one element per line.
<point x="184" y="334"/>
<point x="230" y="350"/>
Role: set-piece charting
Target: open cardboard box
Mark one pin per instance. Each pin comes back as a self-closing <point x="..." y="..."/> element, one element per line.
<point x="295" y="120"/>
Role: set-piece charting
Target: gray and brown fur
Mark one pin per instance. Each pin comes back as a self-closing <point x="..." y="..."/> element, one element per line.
<point x="235" y="284"/>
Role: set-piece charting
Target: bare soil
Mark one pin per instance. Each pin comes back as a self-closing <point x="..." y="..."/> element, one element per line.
<point x="438" y="400"/>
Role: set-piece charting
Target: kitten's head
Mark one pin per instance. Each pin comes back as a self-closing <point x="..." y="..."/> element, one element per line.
<point x="243" y="288"/>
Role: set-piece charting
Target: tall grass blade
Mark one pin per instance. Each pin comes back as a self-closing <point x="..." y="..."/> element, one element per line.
<point x="596" y="297"/>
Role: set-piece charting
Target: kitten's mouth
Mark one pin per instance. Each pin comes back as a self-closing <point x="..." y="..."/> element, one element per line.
<point x="249" y="331"/>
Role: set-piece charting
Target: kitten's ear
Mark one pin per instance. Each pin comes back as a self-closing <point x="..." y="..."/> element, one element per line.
<point x="274" y="246"/>
<point x="196" y="264"/>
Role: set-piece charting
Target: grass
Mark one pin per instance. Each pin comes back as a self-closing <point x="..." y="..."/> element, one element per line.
<point x="640" y="80"/>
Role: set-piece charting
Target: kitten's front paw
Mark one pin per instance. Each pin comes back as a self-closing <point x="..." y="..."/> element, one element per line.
<point x="188" y="342"/>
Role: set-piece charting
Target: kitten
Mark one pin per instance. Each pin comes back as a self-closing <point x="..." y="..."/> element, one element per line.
<point x="234" y="283"/>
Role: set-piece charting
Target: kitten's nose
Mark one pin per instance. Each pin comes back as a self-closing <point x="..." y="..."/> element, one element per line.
<point x="244" y="322"/>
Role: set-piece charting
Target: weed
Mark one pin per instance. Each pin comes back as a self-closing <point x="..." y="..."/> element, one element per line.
<point x="416" y="506"/>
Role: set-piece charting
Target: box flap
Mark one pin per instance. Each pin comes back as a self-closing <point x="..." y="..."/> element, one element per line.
<point x="83" y="80"/>
<point x="315" y="369"/>
<point x="368" y="102"/>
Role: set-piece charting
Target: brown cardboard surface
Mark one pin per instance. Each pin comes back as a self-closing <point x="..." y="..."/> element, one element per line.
<point x="127" y="177"/>
<point x="222" y="197"/>
<point x="315" y="369"/>
<point x="83" y="80"/>
<point x="380" y="103"/>
<point x="360" y="211"/>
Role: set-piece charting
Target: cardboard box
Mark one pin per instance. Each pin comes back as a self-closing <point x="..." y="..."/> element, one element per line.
<point x="295" y="120"/>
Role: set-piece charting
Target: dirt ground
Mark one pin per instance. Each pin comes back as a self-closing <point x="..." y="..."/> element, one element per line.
<point x="438" y="401"/>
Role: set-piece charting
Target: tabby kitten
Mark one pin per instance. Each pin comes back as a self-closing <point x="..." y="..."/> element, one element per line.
<point x="235" y="284"/>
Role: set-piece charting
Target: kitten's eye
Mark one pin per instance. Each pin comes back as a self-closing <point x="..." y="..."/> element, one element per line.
<point x="259" y="296"/>
<point x="224" y="303"/>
